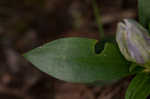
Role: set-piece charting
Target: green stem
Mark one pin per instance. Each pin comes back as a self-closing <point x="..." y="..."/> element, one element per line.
<point x="98" y="19"/>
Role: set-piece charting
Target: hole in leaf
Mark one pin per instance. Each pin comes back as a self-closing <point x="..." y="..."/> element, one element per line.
<point x="99" y="46"/>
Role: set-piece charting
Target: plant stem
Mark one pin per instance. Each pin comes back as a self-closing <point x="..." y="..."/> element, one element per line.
<point x="98" y="19"/>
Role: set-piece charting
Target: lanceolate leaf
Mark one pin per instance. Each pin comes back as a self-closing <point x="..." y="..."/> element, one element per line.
<point x="144" y="12"/>
<point x="139" y="88"/>
<point x="75" y="60"/>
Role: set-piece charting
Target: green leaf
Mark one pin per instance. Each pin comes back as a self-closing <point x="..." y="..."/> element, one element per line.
<point x="136" y="68"/>
<point x="139" y="88"/>
<point x="144" y="12"/>
<point x="75" y="60"/>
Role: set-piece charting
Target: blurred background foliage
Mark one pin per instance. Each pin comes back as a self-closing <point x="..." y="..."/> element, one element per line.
<point x="26" y="24"/>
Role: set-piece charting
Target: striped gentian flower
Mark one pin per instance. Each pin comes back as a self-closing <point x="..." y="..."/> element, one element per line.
<point x="133" y="41"/>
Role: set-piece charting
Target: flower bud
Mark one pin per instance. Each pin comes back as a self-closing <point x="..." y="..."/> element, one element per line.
<point x="133" y="41"/>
